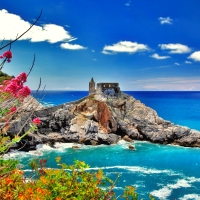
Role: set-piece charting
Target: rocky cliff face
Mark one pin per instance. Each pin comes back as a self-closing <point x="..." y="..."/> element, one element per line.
<point x="100" y="120"/>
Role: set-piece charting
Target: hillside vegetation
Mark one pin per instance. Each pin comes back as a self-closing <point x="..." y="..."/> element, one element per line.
<point x="4" y="76"/>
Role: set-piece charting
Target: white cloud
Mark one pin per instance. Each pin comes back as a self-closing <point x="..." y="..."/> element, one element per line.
<point x="176" y="63"/>
<point x="195" y="56"/>
<point x="72" y="46"/>
<point x="13" y="25"/>
<point x="165" y="20"/>
<point x="125" y="47"/>
<point x="156" y="56"/>
<point x="175" y="48"/>
<point x="188" y="62"/>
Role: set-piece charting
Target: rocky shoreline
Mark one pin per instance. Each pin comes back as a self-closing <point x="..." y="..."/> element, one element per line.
<point x="98" y="119"/>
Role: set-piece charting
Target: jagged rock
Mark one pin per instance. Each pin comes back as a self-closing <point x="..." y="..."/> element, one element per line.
<point x="14" y="128"/>
<point x="101" y="121"/>
<point x="87" y="126"/>
<point x="131" y="147"/>
<point x="133" y="133"/>
<point x="113" y="138"/>
<point x="180" y="132"/>
<point x="88" y="115"/>
<point x="62" y="131"/>
<point x="93" y="142"/>
<point x="74" y="128"/>
<point x="127" y="138"/>
<point x="93" y="127"/>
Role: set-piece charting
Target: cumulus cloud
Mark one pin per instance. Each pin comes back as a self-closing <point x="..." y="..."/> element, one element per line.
<point x="176" y="63"/>
<point x="165" y="20"/>
<point x="195" y="56"/>
<point x="71" y="46"/>
<point x="188" y="62"/>
<point x="156" y="56"/>
<point x="175" y="48"/>
<point x="125" y="47"/>
<point x="13" y="25"/>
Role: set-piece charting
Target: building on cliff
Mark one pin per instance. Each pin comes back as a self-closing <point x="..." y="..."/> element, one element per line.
<point x="92" y="86"/>
<point x="111" y="89"/>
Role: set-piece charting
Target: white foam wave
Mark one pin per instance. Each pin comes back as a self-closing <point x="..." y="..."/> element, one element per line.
<point x="135" y="169"/>
<point x="193" y="179"/>
<point x="121" y="142"/>
<point x="162" y="193"/>
<point x="61" y="147"/>
<point x="35" y="153"/>
<point x="180" y="183"/>
<point x="15" y="155"/>
<point x="44" y="147"/>
<point x="190" y="196"/>
<point x="27" y="170"/>
<point x="166" y="191"/>
<point x="118" y="188"/>
<point x="64" y="145"/>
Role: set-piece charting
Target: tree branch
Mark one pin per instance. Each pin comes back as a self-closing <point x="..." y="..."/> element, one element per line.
<point x="32" y="65"/>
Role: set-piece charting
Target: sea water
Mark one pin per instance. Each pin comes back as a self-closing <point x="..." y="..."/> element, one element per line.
<point x="165" y="171"/>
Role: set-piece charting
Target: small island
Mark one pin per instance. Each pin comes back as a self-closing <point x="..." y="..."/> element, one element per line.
<point x="105" y="116"/>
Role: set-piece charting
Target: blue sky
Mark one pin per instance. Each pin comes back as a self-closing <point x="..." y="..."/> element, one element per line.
<point x="142" y="44"/>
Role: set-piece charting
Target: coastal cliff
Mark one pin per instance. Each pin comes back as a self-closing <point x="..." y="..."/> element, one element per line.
<point x="99" y="119"/>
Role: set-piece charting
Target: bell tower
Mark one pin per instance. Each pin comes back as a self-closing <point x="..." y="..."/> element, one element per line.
<point x="92" y="86"/>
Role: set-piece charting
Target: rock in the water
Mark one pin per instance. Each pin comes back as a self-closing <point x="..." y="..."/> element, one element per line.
<point x="131" y="147"/>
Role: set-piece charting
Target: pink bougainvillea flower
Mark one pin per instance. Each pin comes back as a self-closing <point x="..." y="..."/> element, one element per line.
<point x="13" y="109"/>
<point x="6" y="82"/>
<point x="36" y="121"/>
<point x="12" y="87"/>
<point x="7" y="55"/>
<point x="22" y="77"/>
<point x="24" y="92"/>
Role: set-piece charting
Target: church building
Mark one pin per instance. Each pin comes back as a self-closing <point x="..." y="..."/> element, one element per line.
<point x="111" y="89"/>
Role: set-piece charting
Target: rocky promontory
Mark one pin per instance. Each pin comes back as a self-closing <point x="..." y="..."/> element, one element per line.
<point x="99" y="119"/>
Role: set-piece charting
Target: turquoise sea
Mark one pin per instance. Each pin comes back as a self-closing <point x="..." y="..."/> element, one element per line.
<point x="165" y="171"/>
